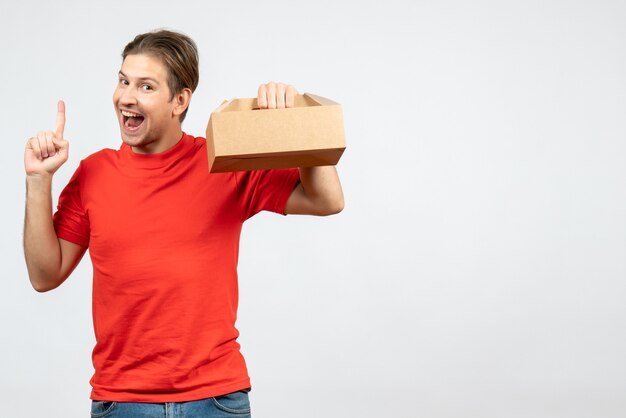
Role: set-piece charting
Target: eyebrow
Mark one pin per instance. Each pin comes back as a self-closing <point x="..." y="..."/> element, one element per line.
<point x="140" y="78"/>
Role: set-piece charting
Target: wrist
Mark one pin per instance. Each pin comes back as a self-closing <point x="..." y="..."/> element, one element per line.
<point x="39" y="179"/>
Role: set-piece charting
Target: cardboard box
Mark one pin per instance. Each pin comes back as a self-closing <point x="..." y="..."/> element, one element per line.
<point x="242" y="137"/>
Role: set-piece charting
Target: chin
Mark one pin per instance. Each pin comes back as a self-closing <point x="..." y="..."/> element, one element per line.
<point x="133" y="140"/>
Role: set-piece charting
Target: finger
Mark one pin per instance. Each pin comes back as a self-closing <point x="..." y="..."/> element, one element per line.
<point x="290" y="96"/>
<point x="271" y="95"/>
<point x="50" y="144"/>
<point x="60" y="119"/>
<point x="262" y="97"/>
<point x="41" y="137"/>
<point x="33" y="144"/>
<point x="41" y="141"/>
<point x="280" y="96"/>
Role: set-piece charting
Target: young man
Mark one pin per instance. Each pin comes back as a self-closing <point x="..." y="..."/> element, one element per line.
<point x="163" y="235"/>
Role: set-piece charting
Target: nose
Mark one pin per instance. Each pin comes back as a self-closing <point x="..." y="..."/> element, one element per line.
<point x="127" y="96"/>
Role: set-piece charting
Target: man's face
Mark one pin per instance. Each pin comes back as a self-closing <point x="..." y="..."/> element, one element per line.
<point x="143" y="105"/>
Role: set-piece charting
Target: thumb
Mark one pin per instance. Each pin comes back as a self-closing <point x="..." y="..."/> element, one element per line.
<point x="60" y="143"/>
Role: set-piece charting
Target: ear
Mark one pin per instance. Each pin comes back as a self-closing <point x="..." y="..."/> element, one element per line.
<point x="181" y="101"/>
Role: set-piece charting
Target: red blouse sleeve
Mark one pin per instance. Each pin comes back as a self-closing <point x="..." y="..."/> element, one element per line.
<point x="70" y="220"/>
<point x="266" y="189"/>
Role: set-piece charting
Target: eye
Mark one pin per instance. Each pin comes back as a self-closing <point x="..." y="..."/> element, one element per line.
<point x="123" y="81"/>
<point x="146" y="87"/>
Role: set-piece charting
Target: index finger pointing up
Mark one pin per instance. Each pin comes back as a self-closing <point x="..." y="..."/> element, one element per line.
<point x="60" y="119"/>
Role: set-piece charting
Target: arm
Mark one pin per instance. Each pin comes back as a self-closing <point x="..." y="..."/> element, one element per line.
<point x="49" y="260"/>
<point x="319" y="191"/>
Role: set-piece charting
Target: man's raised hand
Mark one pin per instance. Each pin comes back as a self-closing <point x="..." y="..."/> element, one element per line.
<point x="47" y="151"/>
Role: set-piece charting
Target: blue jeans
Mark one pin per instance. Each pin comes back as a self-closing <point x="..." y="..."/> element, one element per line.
<point x="232" y="405"/>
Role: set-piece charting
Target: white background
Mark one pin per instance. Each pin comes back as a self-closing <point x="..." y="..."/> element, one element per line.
<point x="479" y="268"/>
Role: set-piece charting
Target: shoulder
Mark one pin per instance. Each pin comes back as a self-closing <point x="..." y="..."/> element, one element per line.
<point x="103" y="154"/>
<point x="198" y="141"/>
<point x="98" y="160"/>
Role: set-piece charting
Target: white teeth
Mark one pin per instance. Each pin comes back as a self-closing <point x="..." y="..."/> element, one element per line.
<point x="130" y="115"/>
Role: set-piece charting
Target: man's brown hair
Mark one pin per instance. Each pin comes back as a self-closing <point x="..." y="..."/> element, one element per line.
<point x="177" y="51"/>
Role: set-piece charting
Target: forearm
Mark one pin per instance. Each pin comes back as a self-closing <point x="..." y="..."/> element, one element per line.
<point x="322" y="187"/>
<point x="41" y="245"/>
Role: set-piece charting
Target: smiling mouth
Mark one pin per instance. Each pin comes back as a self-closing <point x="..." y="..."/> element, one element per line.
<point x="131" y="120"/>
